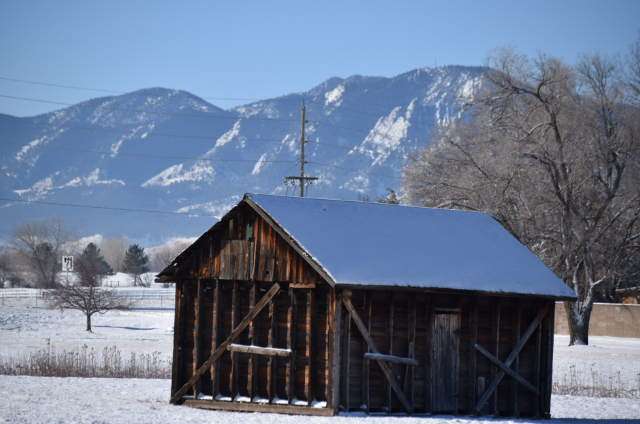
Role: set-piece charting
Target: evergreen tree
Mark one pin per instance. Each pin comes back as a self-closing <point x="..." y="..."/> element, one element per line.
<point x="136" y="262"/>
<point x="91" y="265"/>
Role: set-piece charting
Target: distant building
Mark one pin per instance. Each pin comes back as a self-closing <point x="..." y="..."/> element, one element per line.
<point x="312" y="306"/>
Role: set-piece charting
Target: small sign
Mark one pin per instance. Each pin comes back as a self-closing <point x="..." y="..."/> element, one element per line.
<point x="67" y="263"/>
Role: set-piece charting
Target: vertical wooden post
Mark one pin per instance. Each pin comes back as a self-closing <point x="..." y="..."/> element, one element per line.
<point x="178" y="357"/>
<point x="233" y="369"/>
<point x="251" y="368"/>
<point x="409" y="370"/>
<point x="196" y="336"/>
<point x="474" y="355"/>
<point x="310" y="351"/>
<point x="368" y="302"/>
<point x="327" y="348"/>
<point x="392" y="312"/>
<point x="336" y="362"/>
<point x="215" y="323"/>
<point x="291" y="324"/>
<point x="428" y="381"/>
<point x="497" y="324"/>
<point x="270" y="335"/>
<point x="516" y="387"/>
<point x="548" y="383"/>
<point x="347" y="360"/>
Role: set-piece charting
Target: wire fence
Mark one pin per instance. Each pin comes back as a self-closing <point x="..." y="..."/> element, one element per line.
<point x="140" y="298"/>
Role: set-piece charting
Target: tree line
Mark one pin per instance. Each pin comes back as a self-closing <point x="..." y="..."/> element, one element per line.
<point x="33" y="259"/>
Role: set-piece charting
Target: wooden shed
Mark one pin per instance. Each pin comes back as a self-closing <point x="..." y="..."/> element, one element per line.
<point x="314" y="306"/>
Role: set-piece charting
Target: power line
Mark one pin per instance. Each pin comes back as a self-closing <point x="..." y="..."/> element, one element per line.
<point x="112" y="208"/>
<point x="200" y="115"/>
<point x="104" y="90"/>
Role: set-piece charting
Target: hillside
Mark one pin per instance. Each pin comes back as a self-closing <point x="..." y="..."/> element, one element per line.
<point x="170" y="150"/>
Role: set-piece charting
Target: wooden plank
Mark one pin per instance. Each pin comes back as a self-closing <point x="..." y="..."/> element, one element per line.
<point x="305" y="285"/>
<point x="336" y="308"/>
<point x="496" y="324"/>
<point x="512" y="356"/>
<point x="474" y="356"/>
<point x="257" y="407"/>
<point x="428" y="382"/>
<point x="409" y="374"/>
<point x="347" y="371"/>
<point x="391" y="358"/>
<point x="515" y="388"/>
<point x="270" y="335"/>
<point x="548" y="384"/>
<point x="392" y="311"/>
<point x="383" y="366"/>
<point x="196" y="336"/>
<point x="517" y="377"/>
<point x="445" y="361"/>
<point x="536" y="401"/>
<point x="290" y="345"/>
<point x="177" y="339"/>
<point x="215" y="323"/>
<point x="310" y="351"/>
<point x="366" y="363"/>
<point x="215" y="355"/>
<point x="233" y="369"/>
<point x="259" y="350"/>
<point x="251" y="366"/>
<point x="327" y="347"/>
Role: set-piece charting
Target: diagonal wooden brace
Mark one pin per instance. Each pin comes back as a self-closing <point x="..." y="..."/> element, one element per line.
<point x="511" y="358"/>
<point x="383" y="365"/>
<point x="506" y="369"/>
<point x="216" y="354"/>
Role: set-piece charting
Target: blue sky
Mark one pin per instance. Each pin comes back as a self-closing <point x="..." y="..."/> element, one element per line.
<point x="251" y="49"/>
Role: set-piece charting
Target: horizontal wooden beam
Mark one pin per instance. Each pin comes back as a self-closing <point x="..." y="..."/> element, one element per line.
<point x="391" y="358"/>
<point x="215" y="355"/>
<point x="259" y="350"/>
<point x="506" y="369"/>
<point x="259" y="407"/>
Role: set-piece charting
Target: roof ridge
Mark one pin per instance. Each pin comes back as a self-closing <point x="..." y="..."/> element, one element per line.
<point x="363" y="202"/>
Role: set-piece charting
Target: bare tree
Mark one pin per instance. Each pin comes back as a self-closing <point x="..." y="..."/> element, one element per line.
<point x="552" y="151"/>
<point x="86" y="295"/>
<point x="161" y="256"/>
<point x="114" y="251"/>
<point x="41" y="244"/>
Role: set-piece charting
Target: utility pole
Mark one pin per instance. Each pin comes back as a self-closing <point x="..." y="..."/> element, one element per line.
<point x="302" y="179"/>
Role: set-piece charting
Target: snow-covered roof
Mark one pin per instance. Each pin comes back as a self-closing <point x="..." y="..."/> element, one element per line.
<point x="373" y="244"/>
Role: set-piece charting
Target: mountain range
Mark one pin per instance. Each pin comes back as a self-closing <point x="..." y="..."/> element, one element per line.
<point x="163" y="150"/>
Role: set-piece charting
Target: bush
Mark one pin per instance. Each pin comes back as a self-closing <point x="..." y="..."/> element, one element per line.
<point x="87" y="363"/>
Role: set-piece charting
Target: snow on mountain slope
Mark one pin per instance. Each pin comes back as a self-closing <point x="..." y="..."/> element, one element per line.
<point x="170" y="150"/>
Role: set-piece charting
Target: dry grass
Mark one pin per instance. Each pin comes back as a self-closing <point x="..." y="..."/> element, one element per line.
<point x="87" y="363"/>
<point x="592" y="383"/>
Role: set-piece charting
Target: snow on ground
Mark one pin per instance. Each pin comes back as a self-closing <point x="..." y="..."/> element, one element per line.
<point x="608" y="360"/>
<point x="125" y="401"/>
<point x="26" y="329"/>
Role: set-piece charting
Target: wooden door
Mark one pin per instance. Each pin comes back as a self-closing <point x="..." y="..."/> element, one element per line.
<point x="445" y="361"/>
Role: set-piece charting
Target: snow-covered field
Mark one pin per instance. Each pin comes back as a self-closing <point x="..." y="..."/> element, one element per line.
<point x="25" y="329"/>
<point x="125" y="401"/>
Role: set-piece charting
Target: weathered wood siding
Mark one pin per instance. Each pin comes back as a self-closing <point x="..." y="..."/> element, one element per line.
<point x="227" y="271"/>
<point x="243" y="247"/>
<point x="451" y="374"/>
